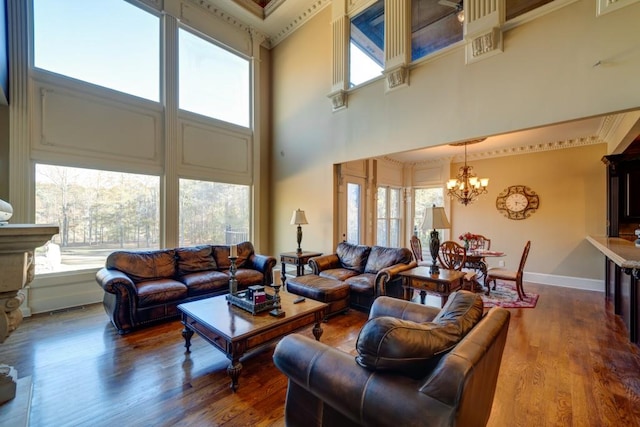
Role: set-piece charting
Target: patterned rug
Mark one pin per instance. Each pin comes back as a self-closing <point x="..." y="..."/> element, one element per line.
<point x="506" y="296"/>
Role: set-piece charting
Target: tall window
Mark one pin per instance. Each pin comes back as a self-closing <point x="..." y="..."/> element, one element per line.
<point x="213" y="81"/>
<point x="435" y="24"/>
<point x="424" y="197"/>
<point x="388" y="212"/>
<point x="213" y="212"/>
<point x="366" y="53"/>
<point x="97" y="212"/>
<point x="354" y="210"/>
<point x="109" y="43"/>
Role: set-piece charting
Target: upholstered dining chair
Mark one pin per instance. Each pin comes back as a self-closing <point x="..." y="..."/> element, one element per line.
<point x="495" y="273"/>
<point x="453" y="256"/>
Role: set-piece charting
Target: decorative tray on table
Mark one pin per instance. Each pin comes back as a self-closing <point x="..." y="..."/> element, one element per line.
<point x="239" y="299"/>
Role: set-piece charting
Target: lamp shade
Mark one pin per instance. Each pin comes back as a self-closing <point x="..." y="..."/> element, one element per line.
<point x="298" y="217"/>
<point x="435" y="219"/>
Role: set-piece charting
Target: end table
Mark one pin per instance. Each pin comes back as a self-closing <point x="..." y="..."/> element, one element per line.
<point x="299" y="259"/>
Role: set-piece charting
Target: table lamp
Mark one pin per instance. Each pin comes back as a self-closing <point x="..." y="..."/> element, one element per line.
<point x="298" y="218"/>
<point x="434" y="219"/>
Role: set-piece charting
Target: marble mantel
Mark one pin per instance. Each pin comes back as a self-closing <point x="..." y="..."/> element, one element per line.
<point x="622" y="252"/>
<point x="17" y="245"/>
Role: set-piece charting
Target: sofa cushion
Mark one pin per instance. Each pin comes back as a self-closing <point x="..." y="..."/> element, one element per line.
<point x="204" y="282"/>
<point x="382" y="257"/>
<point x="412" y="348"/>
<point x="144" y="265"/>
<point x="154" y="292"/>
<point x="353" y="257"/>
<point x="221" y="255"/>
<point x="194" y="259"/>
<point x="362" y="283"/>
<point x="340" y="274"/>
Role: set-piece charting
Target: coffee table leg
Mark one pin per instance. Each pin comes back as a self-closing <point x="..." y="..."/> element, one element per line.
<point x="317" y="331"/>
<point x="233" y="370"/>
<point x="187" y="334"/>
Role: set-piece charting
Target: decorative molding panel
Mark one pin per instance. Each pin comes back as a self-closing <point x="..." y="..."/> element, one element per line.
<point x="338" y="100"/>
<point x="484" y="45"/>
<point x="606" y="6"/>
<point x="204" y="147"/>
<point x="79" y="124"/>
<point x="396" y="78"/>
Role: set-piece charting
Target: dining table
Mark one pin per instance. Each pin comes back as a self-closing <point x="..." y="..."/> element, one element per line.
<point x="476" y="260"/>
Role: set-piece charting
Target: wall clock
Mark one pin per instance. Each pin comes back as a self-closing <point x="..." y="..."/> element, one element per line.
<point x="517" y="202"/>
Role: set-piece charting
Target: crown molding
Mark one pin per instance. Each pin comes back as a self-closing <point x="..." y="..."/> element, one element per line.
<point x="299" y="20"/>
<point x="512" y="151"/>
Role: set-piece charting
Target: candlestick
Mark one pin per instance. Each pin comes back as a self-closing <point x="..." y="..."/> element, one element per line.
<point x="233" y="283"/>
<point x="277" y="282"/>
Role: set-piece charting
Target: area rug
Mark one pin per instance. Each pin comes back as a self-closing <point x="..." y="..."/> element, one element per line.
<point x="506" y="296"/>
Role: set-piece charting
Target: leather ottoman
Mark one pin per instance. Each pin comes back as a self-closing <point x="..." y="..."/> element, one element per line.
<point x="329" y="291"/>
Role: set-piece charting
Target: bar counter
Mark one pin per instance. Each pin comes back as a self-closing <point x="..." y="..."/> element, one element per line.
<point x="622" y="280"/>
<point x="622" y="252"/>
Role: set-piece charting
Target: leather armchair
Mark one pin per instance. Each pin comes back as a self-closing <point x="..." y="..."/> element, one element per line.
<point x="328" y="387"/>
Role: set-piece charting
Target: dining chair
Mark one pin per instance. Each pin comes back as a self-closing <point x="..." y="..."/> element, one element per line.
<point x="453" y="256"/>
<point x="480" y="242"/>
<point x="416" y="248"/>
<point x="509" y="275"/>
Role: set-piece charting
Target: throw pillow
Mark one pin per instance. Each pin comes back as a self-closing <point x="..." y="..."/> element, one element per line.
<point x="194" y="259"/>
<point x="413" y="348"/>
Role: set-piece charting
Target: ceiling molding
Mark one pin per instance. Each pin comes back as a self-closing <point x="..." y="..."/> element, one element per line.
<point x="512" y="151"/>
<point x="300" y="20"/>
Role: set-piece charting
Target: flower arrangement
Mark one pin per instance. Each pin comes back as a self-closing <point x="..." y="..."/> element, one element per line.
<point x="467" y="237"/>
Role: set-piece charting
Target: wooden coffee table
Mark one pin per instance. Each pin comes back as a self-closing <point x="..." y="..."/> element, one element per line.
<point x="441" y="284"/>
<point x="235" y="331"/>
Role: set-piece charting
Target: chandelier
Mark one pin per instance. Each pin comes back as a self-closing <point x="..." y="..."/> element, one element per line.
<point x="466" y="186"/>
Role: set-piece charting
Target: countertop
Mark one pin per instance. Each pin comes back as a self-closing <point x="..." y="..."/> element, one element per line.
<point x="623" y="252"/>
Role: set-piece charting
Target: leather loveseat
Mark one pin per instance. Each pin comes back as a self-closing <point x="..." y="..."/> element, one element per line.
<point x="415" y="366"/>
<point x="146" y="287"/>
<point x="370" y="271"/>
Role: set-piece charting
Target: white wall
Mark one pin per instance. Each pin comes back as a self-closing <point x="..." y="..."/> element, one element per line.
<point x="545" y="75"/>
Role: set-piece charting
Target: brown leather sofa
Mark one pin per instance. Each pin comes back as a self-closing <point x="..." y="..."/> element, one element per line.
<point x="416" y="366"/>
<point x="143" y="287"/>
<point x="370" y="271"/>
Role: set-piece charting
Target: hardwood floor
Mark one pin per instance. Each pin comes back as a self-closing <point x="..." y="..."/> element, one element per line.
<point x="567" y="363"/>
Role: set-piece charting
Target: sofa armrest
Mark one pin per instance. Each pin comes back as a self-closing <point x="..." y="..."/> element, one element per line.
<point x="358" y="394"/>
<point x="324" y="262"/>
<point x="110" y="280"/>
<point x="387" y="274"/>
<point x="401" y="309"/>
<point x="263" y="264"/>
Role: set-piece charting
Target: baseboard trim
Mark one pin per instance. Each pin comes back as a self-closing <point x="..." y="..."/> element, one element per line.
<point x="583" y="283"/>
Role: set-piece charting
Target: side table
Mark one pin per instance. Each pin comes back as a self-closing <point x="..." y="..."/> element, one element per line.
<point x="441" y="284"/>
<point x="299" y="259"/>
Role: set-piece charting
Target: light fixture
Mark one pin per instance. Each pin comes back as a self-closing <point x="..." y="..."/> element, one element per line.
<point x="298" y="218"/>
<point x="466" y="186"/>
<point x="434" y="219"/>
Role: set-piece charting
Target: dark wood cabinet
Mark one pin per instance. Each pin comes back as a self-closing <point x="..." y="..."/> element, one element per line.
<point x="631" y="193"/>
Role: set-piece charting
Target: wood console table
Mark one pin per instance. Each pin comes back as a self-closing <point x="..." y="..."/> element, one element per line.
<point x="622" y="280"/>
<point x="441" y="284"/>
<point x="299" y="259"/>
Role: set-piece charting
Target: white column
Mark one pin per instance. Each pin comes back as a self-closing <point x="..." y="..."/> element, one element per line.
<point x="397" y="43"/>
<point x="169" y="213"/>
<point x="340" y="61"/>
<point x="483" y="28"/>
<point x="21" y="185"/>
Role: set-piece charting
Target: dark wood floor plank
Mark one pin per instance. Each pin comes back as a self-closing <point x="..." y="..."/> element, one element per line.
<point x="567" y="362"/>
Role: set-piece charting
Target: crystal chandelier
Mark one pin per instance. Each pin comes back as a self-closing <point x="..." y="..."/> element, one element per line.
<point x="466" y="186"/>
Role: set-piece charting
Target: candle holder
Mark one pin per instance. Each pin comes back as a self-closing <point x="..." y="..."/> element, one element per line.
<point x="277" y="308"/>
<point x="233" y="283"/>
